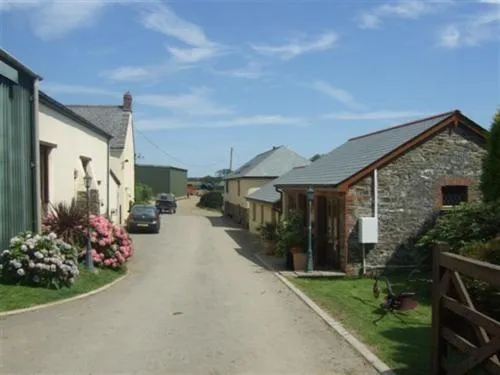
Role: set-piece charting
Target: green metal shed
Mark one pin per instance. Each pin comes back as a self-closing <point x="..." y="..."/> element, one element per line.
<point x="162" y="179"/>
<point x="19" y="208"/>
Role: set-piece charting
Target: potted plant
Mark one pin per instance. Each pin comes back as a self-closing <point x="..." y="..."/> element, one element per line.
<point x="291" y="239"/>
<point x="268" y="233"/>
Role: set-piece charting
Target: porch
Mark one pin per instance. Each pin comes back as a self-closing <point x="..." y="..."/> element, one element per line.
<point x="328" y="225"/>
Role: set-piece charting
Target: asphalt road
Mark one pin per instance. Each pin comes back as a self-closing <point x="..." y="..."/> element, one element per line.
<point x="195" y="302"/>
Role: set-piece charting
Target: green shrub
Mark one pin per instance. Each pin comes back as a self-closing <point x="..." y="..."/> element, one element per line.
<point x="490" y="178"/>
<point x="67" y="221"/>
<point x="462" y="227"/>
<point x="290" y="233"/>
<point x="143" y="193"/>
<point x="212" y="199"/>
<point x="268" y="231"/>
<point x="33" y="259"/>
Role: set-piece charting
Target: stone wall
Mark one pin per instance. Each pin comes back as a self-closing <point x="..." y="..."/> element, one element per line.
<point x="95" y="205"/>
<point x="409" y="192"/>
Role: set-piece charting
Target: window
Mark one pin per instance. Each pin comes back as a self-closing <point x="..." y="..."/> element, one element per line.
<point x="254" y="211"/>
<point x="227" y="186"/>
<point x="239" y="188"/>
<point x="262" y="214"/>
<point x="453" y="195"/>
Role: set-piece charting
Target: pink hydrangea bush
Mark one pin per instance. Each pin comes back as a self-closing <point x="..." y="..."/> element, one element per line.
<point x="41" y="260"/>
<point x="111" y="244"/>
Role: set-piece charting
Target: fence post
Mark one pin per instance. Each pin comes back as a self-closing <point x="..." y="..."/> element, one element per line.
<point x="438" y="343"/>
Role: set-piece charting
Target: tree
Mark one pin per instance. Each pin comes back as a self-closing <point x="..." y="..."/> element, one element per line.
<point x="490" y="178"/>
<point x="143" y="193"/>
<point x="315" y="157"/>
<point x="221" y="173"/>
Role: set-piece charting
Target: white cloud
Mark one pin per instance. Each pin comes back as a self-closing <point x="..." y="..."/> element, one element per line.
<point x="338" y="94"/>
<point x="195" y="103"/>
<point x="143" y="72"/>
<point x="497" y="2"/>
<point x="298" y="46"/>
<point x="252" y="70"/>
<point x="162" y="19"/>
<point x="408" y="9"/>
<point x="254" y="120"/>
<point x="53" y="19"/>
<point x="450" y="36"/>
<point x="476" y="30"/>
<point x="373" y="115"/>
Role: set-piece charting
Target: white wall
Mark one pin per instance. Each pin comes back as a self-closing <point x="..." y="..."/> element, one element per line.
<point x="114" y="199"/>
<point x="125" y="171"/>
<point x="72" y="141"/>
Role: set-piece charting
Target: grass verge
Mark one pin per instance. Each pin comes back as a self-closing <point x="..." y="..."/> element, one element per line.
<point x="13" y="297"/>
<point x="402" y="340"/>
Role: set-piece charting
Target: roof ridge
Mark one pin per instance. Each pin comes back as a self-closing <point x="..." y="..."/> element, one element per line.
<point x="449" y="113"/>
<point x="94" y="105"/>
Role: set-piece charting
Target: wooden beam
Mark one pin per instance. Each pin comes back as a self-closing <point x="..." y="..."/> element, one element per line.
<point x="474" y="268"/>
<point x="475" y="317"/>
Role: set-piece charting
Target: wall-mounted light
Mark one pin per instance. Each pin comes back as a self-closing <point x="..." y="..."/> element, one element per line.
<point x="75" y="174"/>
<point x="99" y="182"/>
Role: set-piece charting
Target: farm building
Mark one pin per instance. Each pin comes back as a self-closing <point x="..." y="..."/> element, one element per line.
<point x="162" y="178"/>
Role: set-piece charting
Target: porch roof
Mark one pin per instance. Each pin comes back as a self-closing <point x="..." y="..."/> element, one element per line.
<point x="267" y="193"/>
<point x="359" y="153"/>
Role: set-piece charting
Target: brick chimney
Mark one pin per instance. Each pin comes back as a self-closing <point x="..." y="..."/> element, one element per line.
<point x="127" y="102"/>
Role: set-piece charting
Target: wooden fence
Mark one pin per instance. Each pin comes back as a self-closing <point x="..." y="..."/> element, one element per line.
<point x="451" y="298"/>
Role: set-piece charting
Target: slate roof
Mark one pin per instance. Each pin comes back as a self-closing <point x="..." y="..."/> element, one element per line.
<point x="61" y="108"/>
<point x="358" y="153"/>
<point x="110" y="118"/>
<point x="267" y="193"/>
<point x="271" y="163"/>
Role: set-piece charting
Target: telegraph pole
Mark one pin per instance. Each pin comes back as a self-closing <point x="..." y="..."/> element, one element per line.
<point x="231" y="159"/>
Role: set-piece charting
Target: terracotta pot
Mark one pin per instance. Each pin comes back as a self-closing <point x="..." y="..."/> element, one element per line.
<point x="299" y="259"/>
<point x="270" y="247"/>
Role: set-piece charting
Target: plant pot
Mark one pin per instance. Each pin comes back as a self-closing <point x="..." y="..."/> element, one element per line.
<point x="299" y="259"/>
<point x="270" y="247"/>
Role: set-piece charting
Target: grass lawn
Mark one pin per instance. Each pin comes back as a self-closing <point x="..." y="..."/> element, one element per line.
<point x="17" y="297"/>
<point x="401" y="340"/>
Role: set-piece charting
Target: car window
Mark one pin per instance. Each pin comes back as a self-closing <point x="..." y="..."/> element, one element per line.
<point x="142" y="210"/>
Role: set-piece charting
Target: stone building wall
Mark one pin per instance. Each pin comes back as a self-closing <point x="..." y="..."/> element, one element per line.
<point x="409" y="193"/>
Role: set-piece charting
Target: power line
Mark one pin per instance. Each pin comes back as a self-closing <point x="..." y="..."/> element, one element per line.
<point x="175" y="158"/>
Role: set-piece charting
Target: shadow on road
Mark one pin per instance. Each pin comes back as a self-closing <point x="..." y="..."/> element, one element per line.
<point x="248" y="244"/>
<point x="222" y="221"/>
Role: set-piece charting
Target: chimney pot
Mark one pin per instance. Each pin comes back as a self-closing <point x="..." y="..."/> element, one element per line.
<point x="127" y="102"/>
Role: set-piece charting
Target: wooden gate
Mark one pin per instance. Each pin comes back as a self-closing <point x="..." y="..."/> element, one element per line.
<point x="450" y="295"/>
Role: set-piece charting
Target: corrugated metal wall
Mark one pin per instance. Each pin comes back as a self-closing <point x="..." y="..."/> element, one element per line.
<point x="17" y="185"/>
<point x="162" y="179"/>
<point x="178" y="182"/>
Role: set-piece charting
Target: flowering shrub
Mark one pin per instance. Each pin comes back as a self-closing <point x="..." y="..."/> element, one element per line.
<point x="43" y="260"/>
<point x="111" y="244"/>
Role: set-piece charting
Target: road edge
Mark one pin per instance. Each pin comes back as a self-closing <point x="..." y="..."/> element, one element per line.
<point x="66" y="300"/>
<point x="361" y="348"/>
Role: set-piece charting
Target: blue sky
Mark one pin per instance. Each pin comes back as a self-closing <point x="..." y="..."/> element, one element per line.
<point x="209" y="75"/>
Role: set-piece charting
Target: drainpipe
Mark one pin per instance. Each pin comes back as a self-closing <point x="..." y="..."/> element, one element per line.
<point x="281" y="198"/>
<point x="375" y="193"/>
<point x="36" y="166"/>
<point x="375" y="214"/>
<point x="107" y="186"/>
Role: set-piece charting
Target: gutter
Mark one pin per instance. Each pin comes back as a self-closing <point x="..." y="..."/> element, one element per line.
<point x="36" y="163"/>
